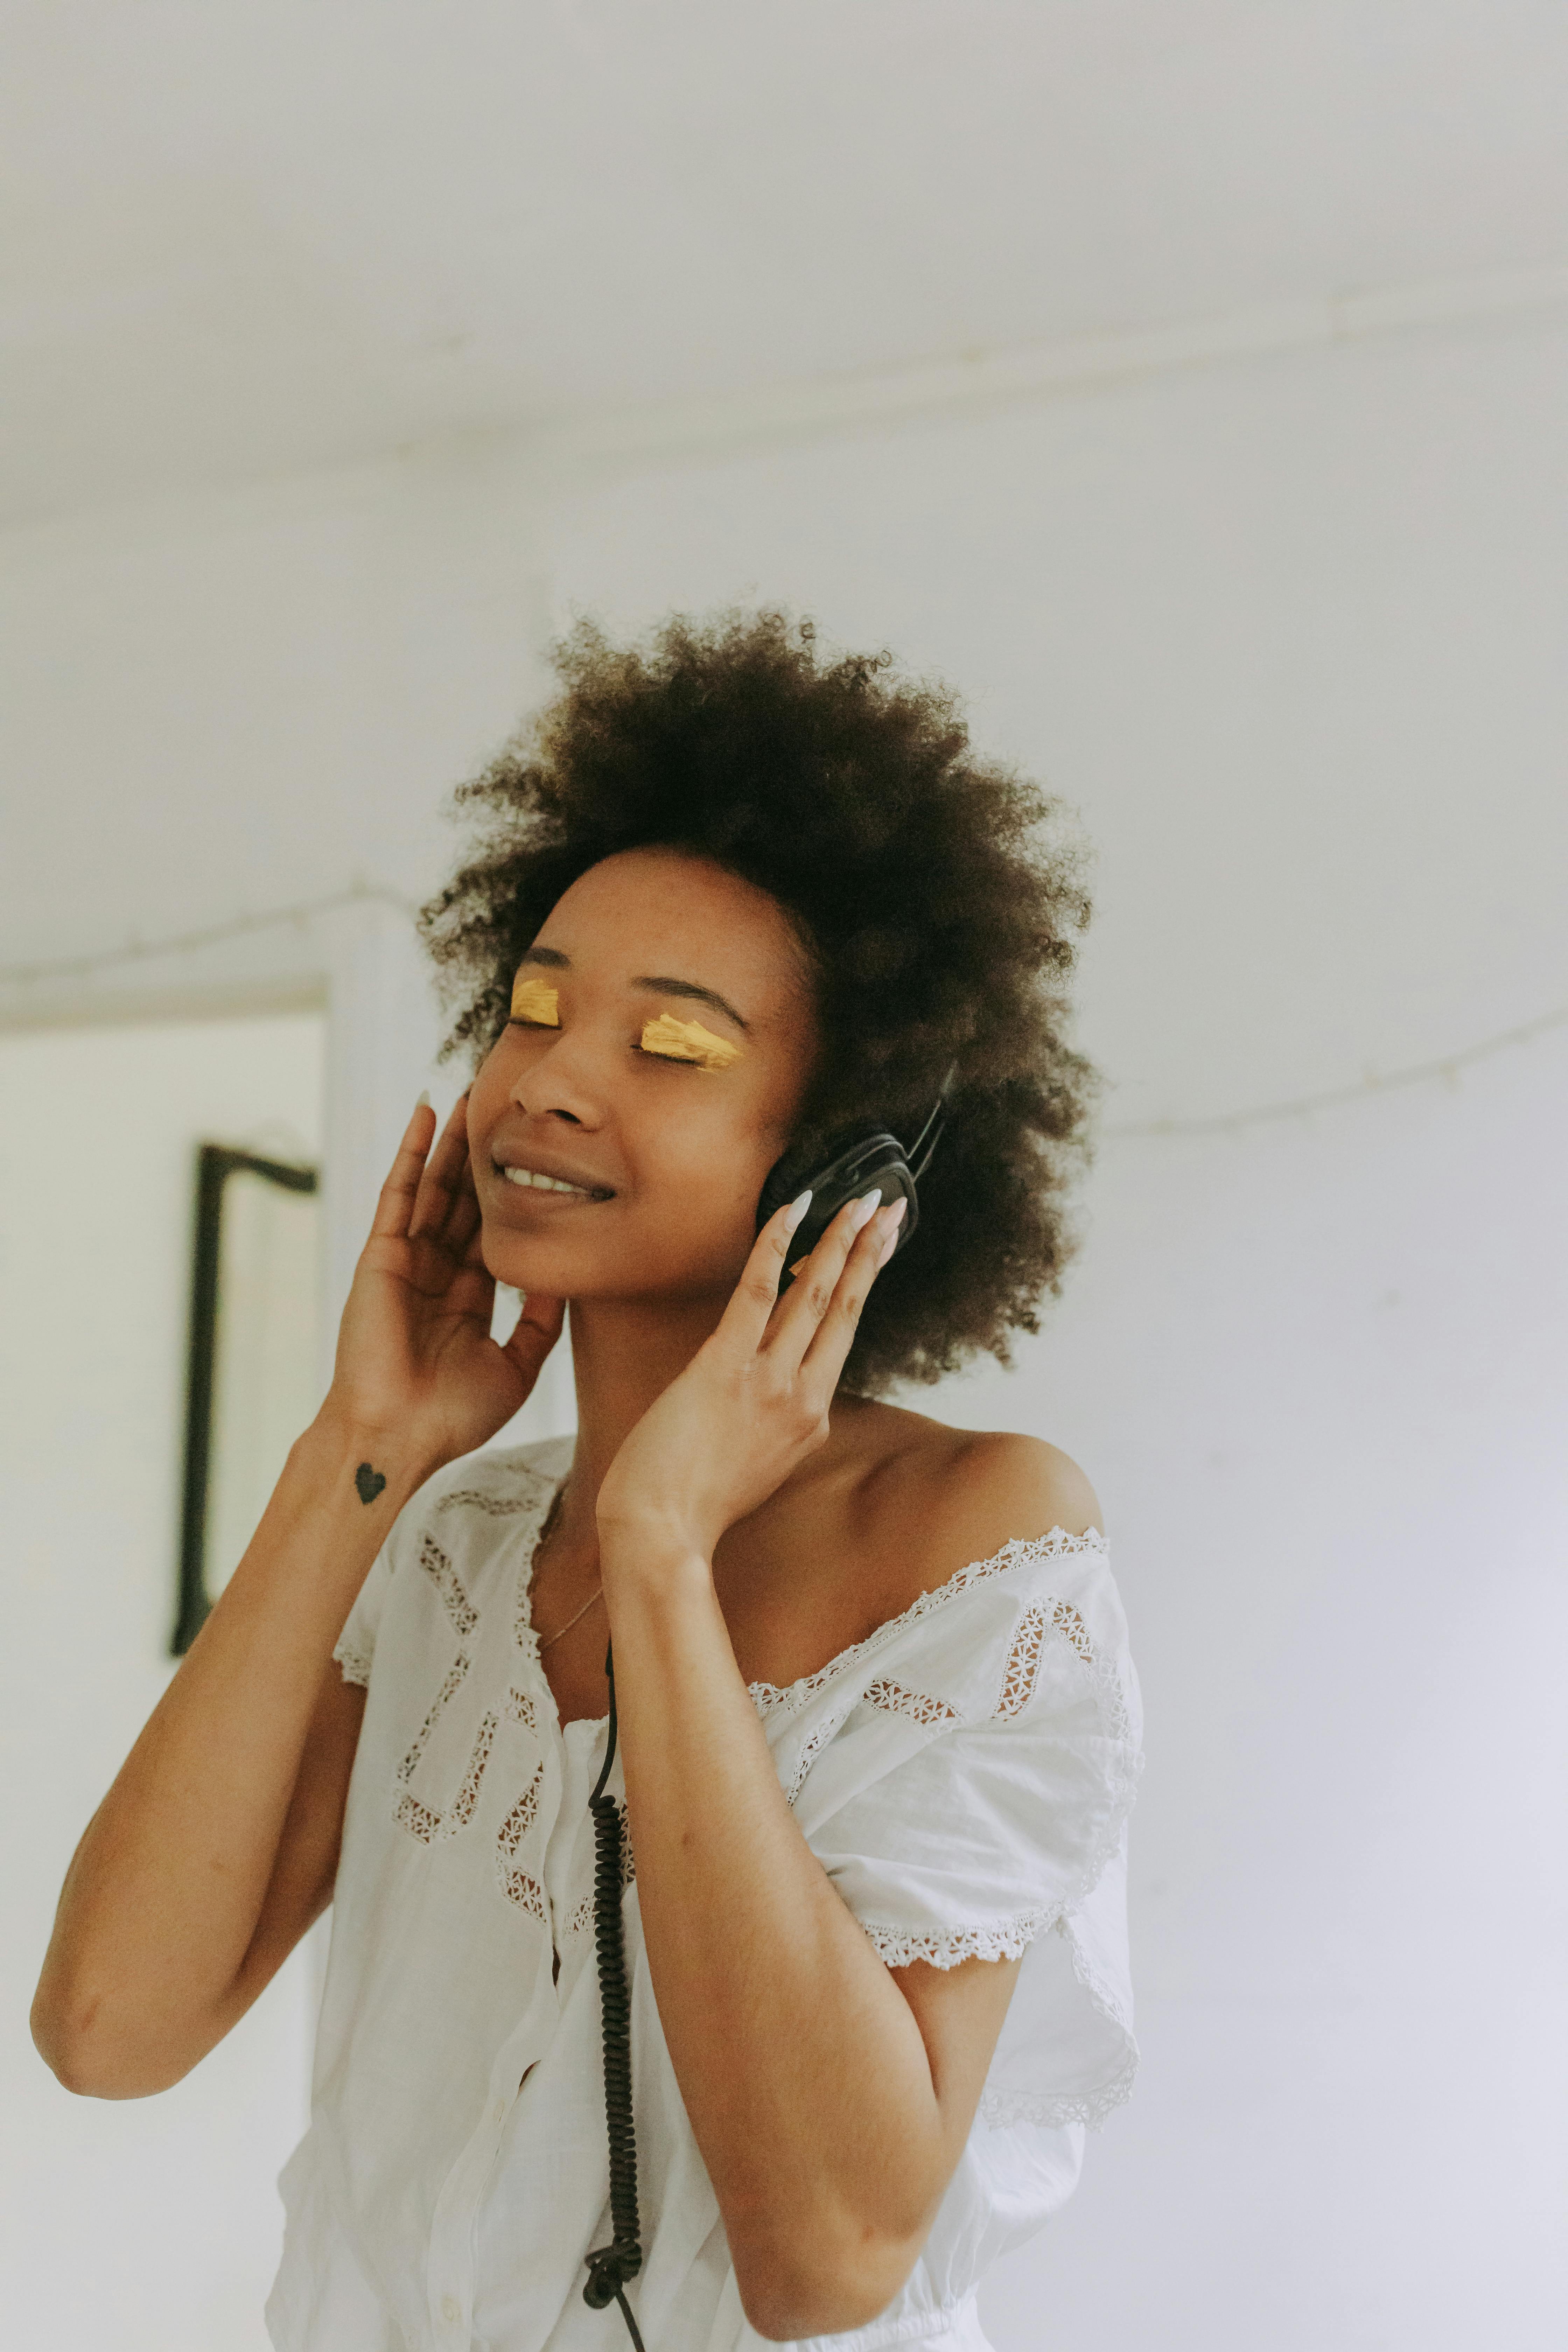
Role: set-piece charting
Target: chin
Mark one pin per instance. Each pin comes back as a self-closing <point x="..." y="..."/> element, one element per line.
<point x="573" y="1269"/>
<point x="526" y="1262"/>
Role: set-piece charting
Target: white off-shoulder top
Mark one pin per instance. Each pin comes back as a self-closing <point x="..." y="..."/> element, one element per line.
<point x="963" y="1776"/>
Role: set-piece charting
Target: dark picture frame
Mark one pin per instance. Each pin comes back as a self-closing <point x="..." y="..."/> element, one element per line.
<point x="216" y="1163"/>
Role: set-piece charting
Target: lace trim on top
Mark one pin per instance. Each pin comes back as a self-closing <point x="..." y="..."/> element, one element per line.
<point x="523" y="1630"/>
<point x="354" y="1660"/>
<point x="1058" y="1544"/>
<point x="1001" y="2107"/>
<point x="945" y="1948"/>
<point x="1008" y="1939"/>
<point x="480" y="1499"/>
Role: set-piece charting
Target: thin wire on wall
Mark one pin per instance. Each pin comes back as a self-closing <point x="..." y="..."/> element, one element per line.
<point x="21" y="975"/>
<point x="1446" y="1066"/>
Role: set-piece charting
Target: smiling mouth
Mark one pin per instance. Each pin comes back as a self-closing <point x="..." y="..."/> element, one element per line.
<point x="533" y="1179"/>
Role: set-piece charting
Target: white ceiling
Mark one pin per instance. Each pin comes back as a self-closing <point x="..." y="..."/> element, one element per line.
<point x="236" y="240"/>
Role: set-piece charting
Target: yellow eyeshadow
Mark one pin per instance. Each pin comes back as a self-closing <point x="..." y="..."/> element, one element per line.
<point x="687" y="1040"/>
<point x="535" y="1000"/>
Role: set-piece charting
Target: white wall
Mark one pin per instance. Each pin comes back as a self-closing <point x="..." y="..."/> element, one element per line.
<point x="1317" y="1372"/>
<point x="1287" y="633"/>
<point x="145" y="2225"/>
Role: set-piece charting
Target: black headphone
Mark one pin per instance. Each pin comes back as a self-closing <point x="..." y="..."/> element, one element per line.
<point x="843" y="1169"/>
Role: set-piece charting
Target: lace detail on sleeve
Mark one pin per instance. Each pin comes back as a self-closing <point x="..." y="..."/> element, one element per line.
<point x="916" y="1705"/>
<point x="354" y="1660"/>
<point x="1001" y="2107"/>
<point x="994" y="1939"/>
<point x="769" y="1698"/>
<point x="825" y="1730"/>
<point x="1040" y="1622"/>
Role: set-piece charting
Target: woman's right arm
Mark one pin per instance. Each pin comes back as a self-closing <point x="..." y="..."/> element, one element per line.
<point x="217" y="1846"/>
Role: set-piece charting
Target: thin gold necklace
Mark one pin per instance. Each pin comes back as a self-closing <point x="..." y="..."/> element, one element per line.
<point x="545" y="1534"/>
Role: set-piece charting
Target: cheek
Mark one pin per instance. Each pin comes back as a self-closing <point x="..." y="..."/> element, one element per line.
<point x="707" y="1169"/>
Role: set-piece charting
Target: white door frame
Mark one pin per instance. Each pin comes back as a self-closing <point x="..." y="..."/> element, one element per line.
<point x="356" y="957"/>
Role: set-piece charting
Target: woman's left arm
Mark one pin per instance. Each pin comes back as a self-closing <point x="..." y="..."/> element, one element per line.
<point x="830" y="2097"/>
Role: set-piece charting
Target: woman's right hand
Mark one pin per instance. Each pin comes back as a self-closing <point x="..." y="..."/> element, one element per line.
<point x="416" y="1368"/>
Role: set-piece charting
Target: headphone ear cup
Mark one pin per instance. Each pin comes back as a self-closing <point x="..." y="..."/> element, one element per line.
<point x="826" y="1200"/>
<point x="850" y="1166"/>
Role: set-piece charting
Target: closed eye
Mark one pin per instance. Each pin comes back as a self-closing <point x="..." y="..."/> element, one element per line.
<point x="662" y="1054"/>
<point x="534" y="1003"/>
<point x="687" y="1040"/>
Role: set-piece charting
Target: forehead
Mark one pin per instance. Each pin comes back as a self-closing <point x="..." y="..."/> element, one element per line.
<point x="661" y="911"/>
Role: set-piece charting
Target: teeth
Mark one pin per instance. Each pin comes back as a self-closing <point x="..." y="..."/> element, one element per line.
<point x="531" y="1176"/>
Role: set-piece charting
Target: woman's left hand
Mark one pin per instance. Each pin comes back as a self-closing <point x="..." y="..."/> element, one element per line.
<point x="752" y="1403"/>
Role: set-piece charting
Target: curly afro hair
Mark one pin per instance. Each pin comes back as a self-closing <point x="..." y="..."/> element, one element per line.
<point x="939" y="905"/>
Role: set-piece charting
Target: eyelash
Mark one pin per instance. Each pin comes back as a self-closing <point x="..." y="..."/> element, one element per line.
<point x="670" y="1061"/>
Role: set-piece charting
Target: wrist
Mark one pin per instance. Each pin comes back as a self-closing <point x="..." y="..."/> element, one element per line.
<point x="382" y="1466"/>
<point x="645" y="1548"/>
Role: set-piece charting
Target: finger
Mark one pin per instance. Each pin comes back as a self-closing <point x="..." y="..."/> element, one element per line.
<point x="537" y="1330"/>
<point x="834" y="1335"/>
<point x="394" y="1205"/>
<point x="811" y="1294"/>
<point x="463" y="1214"/>
<point x="464" y="1217"/>
<point x="443" y="1173"/>
<point x="745" y="1319"/>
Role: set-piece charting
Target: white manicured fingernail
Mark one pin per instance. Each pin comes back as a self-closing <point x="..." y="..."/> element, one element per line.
<point x="865" y="1210"/>
<point x="424" y="1101"/>
<point x="796" y="1209"/>
<point x="890" y="1239"/>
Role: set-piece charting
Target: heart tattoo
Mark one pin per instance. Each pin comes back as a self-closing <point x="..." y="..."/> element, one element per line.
<point x="369" y="1481"/>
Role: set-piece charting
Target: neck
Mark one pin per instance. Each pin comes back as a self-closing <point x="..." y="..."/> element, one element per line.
<point x="625" y="1353"/>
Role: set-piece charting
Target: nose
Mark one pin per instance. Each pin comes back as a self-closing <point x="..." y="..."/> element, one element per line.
<point x="559" y="1086"/>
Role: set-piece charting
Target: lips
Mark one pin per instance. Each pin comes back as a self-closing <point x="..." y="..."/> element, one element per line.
<point x="555" y="1183"/>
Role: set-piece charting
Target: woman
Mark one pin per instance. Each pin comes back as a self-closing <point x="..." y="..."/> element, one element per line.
<point x="876" y="1724"/>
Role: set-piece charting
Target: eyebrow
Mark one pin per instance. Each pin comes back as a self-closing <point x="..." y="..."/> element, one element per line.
<point x="661" y="981"/>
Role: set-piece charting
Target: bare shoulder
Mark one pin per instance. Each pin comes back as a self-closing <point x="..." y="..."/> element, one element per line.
<point x="932" y="1499"/>
<point x="1002" y="1484"/>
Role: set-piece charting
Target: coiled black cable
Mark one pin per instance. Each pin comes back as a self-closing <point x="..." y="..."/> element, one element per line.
<point x="610" y="2266"/>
